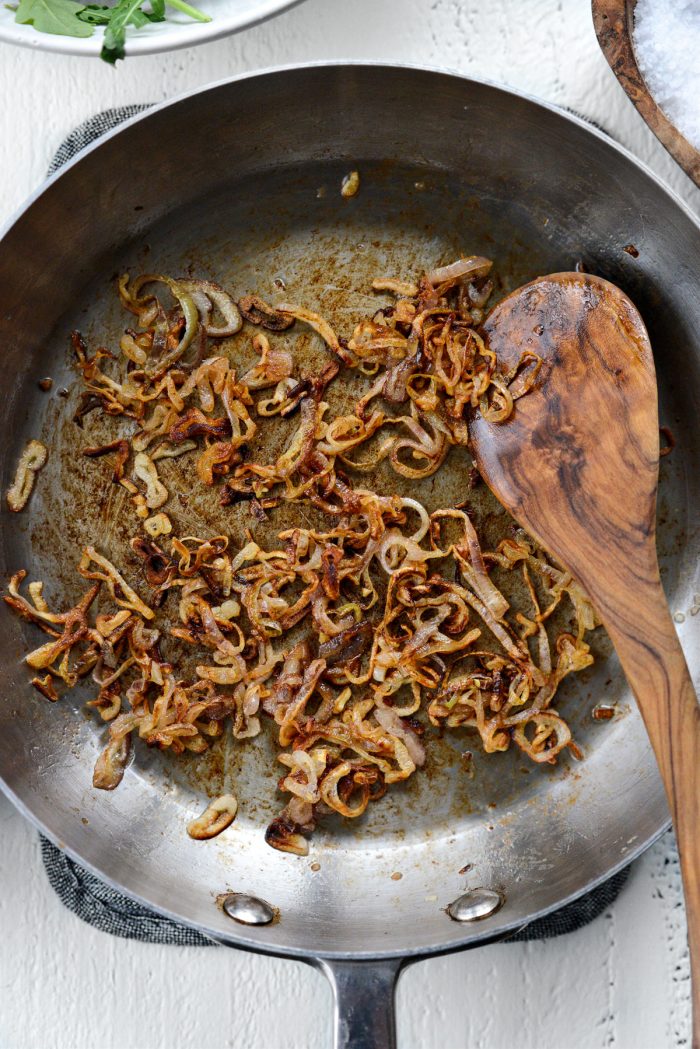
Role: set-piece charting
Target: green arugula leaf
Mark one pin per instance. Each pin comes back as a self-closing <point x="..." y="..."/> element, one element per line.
<point x="95" y="14"/>
<point x="115" y="33"/>
<point x="100" y="14"/>
<point x="188" y="9"/>
<point x="71" y="18"/>
<point x="60" y="17"/>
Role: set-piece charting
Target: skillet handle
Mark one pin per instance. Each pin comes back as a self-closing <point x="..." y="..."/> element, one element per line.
<point x="363" y="999"/>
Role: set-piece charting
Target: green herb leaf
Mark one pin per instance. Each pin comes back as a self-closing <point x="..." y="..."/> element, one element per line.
<point x="100" y="14"/>
<point x="115" y="33"/>
<point x="60" y="17"/>
<point x="188" y="9"/>
<point x="70" y="18"/>
<point x="95" y="14"/>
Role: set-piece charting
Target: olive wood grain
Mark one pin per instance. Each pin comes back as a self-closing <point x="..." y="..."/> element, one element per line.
<point x="577" y="466"/>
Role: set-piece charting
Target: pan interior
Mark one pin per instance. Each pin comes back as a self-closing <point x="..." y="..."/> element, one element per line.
<point x="442" y="831"/>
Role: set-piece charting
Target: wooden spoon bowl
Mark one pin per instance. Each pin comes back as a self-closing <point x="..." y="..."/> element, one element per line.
<point x="577" y="466"/>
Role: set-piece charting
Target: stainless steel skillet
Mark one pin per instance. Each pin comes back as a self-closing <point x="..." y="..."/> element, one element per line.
<point x="241" y="182"/>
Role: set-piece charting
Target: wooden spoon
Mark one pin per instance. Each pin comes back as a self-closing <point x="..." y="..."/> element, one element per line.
<point x="577" y="466"/>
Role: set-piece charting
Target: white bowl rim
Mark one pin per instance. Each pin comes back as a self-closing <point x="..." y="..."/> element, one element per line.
<point x="170" y="35"/>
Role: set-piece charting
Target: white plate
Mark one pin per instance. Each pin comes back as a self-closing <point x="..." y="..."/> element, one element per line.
<point x="228" y="16"/>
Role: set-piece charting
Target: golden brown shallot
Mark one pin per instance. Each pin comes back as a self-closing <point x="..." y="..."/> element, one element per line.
<point x="350" y="184"/>
<point x="350" y="638"/>
<point x="157" y="525"/>
<point x="32" y="459"/>
<point x="217" y="816"/>
<point x="112" y="762"/>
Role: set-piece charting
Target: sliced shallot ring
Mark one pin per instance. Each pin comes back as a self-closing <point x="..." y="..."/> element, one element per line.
<point x="218" y="298"/>
<point x="157" y="525"/>
<point x="30" y="462"/>
<point x="403" y="288"/>
<point x="111" y="764"/>
<point x="471" y="267"/>
<point x="190" y="312"/>
<point x="145" y="470"/>
<point x="319" y="325"/>
<point x="217" y="816"/>
<point x="113" y="578"/>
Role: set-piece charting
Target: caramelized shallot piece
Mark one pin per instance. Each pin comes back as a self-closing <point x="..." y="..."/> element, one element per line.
<point x="30" y="462"/>
<point x="46" y="687"/>
<point x="350" y="184"/>
<point x="118" y="587"/>
<point x="145" y="470"/>
<point x="217" y="816"/>
<point x="157" y="525"/>
<point x="351" y="636"/>
<point x="258" y="312"/>
<point x="111" y="764"/>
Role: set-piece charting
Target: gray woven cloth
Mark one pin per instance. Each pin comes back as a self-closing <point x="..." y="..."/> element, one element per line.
<point x="110" y="911"/>
<point x="91" y="129"/>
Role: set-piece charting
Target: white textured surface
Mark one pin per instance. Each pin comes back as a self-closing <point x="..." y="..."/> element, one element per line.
<point x="623" y="981"/>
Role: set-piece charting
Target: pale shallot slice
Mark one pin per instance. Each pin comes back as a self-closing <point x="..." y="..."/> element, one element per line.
<point x="216" y="817"/>
<point x="159" y="524"/>
<point x="145" y="470"/>
<point x="30" y="462"/>
<point x="390" y="720"/>
<point x="206" y="296"/>
<point x="112" y="762"/>
<point x="469" y="268"/>
<point x="396" y="287"/>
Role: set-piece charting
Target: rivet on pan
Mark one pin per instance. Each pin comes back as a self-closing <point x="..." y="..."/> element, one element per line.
<point x="476" y="904"/>
<point x="248" y="910"/>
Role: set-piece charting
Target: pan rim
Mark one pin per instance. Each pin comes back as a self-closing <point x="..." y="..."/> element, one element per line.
<point x="236" y="938"/>
<point x="407" y="955"/>
<point x="294" y="67"/>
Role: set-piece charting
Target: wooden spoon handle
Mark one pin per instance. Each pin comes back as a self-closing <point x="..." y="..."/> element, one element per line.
<point x="647" y="644"/>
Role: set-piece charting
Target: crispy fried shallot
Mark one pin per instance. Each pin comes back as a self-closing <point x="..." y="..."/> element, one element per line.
<point x="258" y="312"/>
<point x="347" y="639"/>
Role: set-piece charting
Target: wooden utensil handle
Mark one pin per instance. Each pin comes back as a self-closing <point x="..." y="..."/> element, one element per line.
<point x="647" y="643"/>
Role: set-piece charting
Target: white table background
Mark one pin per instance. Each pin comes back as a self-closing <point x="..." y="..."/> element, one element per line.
<point x="621" y="982"/>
